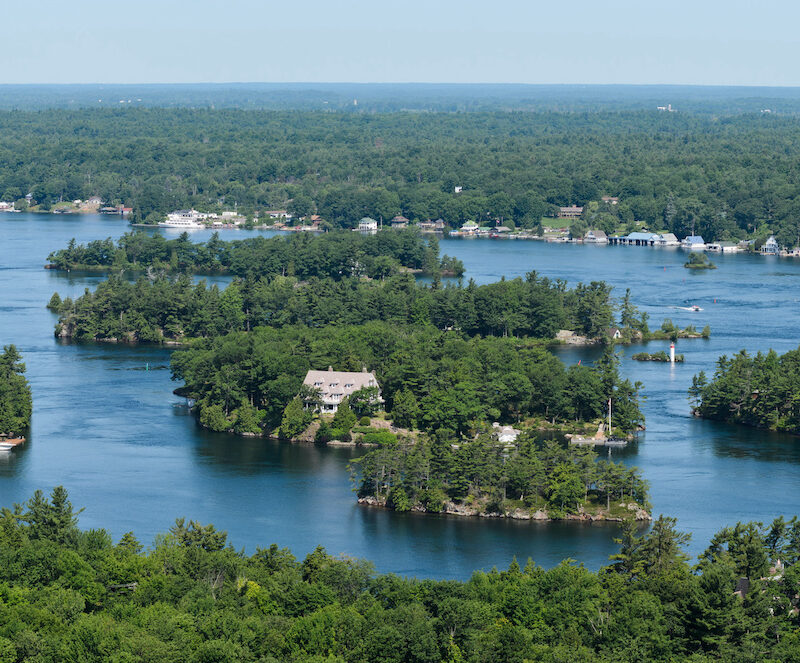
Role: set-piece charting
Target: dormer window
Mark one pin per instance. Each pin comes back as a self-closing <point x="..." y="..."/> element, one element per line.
<point x="348" y="385"/>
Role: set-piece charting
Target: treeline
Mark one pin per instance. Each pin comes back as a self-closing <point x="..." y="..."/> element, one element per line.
<point x="152" y="311"/>
<point x="726" y="177"/>
<point x="331" y="255"/>
<point x="16" y="405"/>
<point x="486" y="476"/>
<point x="440" y="382"/>
<point x="75" y="595"/>
<point x="761" y="390"/>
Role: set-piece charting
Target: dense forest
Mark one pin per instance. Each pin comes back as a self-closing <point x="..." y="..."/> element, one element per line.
<point x="485" y="476"/>
<point x="333" y="255"/>
<point x="444" y="383"/>
<point x="74" y="595"/>
<point x="163" y="309"/>
<point x="761" y="391"/>
<point x="726" y="176"/>
<point x="16" y="404"/>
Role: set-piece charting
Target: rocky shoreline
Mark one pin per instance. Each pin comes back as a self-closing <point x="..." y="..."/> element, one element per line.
<point x="454" y="509"/>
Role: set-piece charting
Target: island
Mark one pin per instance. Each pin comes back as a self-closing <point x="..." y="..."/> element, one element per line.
<point x="16" y="404"/>
<point x="758" y="390"/>
<point x="699" y="261"/>
<point x="656" y="356"/>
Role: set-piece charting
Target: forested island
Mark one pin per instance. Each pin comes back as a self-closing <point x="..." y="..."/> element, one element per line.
<point x="525" y="479"/>
<point x="331" y="255"/>
<point x="16" y="404"/>
<point x="76" y="595"/>
<point x="761" y="390"/>
<point x="165" y="309"/>
<point x="441" y="382"/>
<point x="670" y="170"/>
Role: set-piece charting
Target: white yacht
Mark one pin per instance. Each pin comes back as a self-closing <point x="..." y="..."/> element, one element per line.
<point x="185" y="219"/>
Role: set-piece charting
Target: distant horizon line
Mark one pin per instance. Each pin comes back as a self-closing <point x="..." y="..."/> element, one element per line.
<point x="417" y="83"/>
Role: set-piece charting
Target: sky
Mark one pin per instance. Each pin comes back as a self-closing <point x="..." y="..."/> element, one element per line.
<point x="702" y="42"/>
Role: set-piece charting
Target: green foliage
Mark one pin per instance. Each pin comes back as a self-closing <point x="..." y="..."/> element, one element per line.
<point x="334" y="255"/>
<point x="364" y="421"/>
<point x="345" y="418"/>
<point x="381" y="437"/>
<point x="295" y="420"/>
<point x="699" y="261"/>
<point x="151" y="311"/>
<point x="761" y="391"/>
<point x="16" y="404"/>
<point x="67" y="594"/>
<point x="55" y="302"/>
<point x="334" y="164"/>
<point x="213" y="417"/>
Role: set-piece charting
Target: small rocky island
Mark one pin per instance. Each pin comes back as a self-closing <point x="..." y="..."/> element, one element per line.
<point x="699" y="261"/>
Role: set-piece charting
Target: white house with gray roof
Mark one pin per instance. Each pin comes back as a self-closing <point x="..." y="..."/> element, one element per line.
<point x="335" y="386"/>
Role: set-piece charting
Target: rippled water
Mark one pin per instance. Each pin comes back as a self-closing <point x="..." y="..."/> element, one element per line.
<point x="127" y="449"/>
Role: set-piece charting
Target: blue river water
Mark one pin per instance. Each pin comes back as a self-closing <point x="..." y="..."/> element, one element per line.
<point x="129" y="451"/>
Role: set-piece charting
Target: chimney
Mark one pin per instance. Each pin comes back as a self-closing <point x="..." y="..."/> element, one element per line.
<point x="330" y="368"/>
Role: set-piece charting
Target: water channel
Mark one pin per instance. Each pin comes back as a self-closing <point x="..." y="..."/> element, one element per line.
<point x="128" y="450"/>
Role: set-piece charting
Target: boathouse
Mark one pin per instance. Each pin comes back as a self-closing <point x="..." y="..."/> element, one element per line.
<point x="635" y="239"/>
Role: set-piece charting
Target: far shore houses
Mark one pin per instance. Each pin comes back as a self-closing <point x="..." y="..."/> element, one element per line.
<point x="335" y="386"/>
<point x="570" y="212"/>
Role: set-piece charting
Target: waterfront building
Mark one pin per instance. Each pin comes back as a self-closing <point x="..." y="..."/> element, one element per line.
<point x="693" y="243"/>
<point x="335" y="386"/>
<point x="399" y="222"/>
<point x="367" y="225"/>
<point x="722" y="247"/>
<point x="667" y="239"/>
<point x="639" y="239"/>
<point x="470" y="228"/>
<point x="771" y="247"/>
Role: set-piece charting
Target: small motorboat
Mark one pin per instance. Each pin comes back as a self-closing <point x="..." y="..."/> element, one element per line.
<point x="8" y="444"/>
<point x="695" y="308"/>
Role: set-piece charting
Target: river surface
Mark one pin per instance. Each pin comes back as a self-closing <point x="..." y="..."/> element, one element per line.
<point x="107" y="426"/>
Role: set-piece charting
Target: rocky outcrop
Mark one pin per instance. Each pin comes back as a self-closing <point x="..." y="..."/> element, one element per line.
<point x="458" y="509"/>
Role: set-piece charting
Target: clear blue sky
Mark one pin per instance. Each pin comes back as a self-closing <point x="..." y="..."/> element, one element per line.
<point x="735" y="42"/>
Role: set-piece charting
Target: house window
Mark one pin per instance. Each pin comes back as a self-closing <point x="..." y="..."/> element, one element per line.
<point x="348" y="385"/>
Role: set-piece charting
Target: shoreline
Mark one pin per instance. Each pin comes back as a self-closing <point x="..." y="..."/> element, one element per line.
<point x="539" y="515"/>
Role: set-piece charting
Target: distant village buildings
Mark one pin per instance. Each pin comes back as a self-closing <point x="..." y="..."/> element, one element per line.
<point x="570" y="212"/>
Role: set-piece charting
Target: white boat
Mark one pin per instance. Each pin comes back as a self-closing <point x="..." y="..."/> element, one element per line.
<point x="185" y="219"/>
<point x="181" y="224"/>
